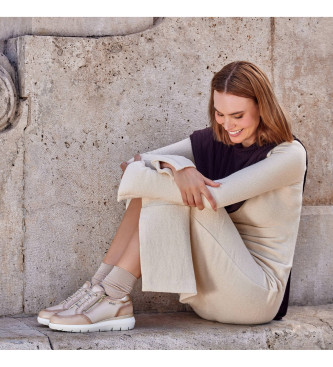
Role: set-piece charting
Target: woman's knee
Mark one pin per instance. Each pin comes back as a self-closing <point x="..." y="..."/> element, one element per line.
<point x="209" y="215"/>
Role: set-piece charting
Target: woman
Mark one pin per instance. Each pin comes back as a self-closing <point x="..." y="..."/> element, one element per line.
<point x="230" y="262"/>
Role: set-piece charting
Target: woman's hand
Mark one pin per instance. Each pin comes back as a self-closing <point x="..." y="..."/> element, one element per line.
<point x="124" y="165"/>
<point x="192" y="184"/>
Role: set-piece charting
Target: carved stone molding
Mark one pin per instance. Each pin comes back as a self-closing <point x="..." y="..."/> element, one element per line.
<point x="8" y="93"/>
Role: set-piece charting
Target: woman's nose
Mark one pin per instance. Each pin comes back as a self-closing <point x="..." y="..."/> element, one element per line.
<point x="228" y="124"/>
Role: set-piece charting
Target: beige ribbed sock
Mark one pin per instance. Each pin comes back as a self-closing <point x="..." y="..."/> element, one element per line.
<point x="118" y="283"/>
<point x="101" y="273"/>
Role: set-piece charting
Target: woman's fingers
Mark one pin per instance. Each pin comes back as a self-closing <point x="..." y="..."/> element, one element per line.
<point x="207" y="193"/>
<point x="195" y="199"/>
<point x="198" y="200"/>
<point x="192" y="184"/>
<point x="209" y="197"/>
<point x="123" y="166"/>
<point x="211" y="182"/>
<point x="190" y="199"/>
<point x="184" y="197"/>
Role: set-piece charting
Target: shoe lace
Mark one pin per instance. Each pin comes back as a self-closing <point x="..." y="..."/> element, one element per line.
<point x="80" y="290"/>
<point x="86" y="298"/>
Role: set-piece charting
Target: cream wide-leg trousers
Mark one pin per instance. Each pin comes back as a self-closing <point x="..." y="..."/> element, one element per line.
<point x="200" y="255"/>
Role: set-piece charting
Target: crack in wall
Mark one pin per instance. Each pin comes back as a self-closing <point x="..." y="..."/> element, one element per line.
<point x="24" y="210"/>
<point x="272" y="30"/>
<point x="23" y="228"/>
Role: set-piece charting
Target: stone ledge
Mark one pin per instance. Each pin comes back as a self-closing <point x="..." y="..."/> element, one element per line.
<point x="304" y="327"/>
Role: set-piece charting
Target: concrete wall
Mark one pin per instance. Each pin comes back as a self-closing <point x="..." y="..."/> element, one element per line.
<point x="303" y="74"/>
<point x="80" y="26"/>
<point x="90" y="103"/>
<point x="311" y="278"/>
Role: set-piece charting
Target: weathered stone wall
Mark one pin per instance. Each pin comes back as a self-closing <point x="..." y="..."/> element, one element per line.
<point x="92" y="103"/>
<point x="12" y="217"/>
<point x="303" y="74"/>
<point x="80" y="26"/>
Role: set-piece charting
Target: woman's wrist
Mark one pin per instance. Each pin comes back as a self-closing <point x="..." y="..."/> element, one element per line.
<point x="167" y="165"/>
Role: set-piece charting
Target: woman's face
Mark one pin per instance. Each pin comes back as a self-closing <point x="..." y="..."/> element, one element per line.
<point x="239" y="116"/>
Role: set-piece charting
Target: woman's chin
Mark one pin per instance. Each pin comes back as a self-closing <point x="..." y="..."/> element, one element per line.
<point x="236" y="139"/>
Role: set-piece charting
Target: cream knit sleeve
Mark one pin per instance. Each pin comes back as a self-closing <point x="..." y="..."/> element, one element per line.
<point x="178" y="154"/>
<point x="284" y="165"/>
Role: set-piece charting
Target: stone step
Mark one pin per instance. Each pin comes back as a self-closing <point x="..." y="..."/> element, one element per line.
<point x="304" y="327"/>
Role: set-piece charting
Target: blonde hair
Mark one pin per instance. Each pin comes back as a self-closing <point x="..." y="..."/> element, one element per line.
<point x="244" y="79"/>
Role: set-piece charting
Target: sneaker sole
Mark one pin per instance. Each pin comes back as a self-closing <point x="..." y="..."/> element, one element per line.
<point x="112" y="325"/>
<point x="43" y="321"/>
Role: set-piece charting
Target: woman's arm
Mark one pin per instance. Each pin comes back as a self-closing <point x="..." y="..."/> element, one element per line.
<point x="179" y="155"/>
<point x="285" y="165"/>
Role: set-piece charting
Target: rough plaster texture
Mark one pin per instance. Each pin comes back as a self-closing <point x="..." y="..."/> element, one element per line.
<point x="311" y="278"/>
<point x="12" y="224"/>
<point x="307" y="328"/>
<point x="65" y="26"/>
<point x="303" y="80"/>
<point x="95" y="102"/>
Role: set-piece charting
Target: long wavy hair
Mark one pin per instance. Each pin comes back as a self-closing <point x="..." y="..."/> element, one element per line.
<point x="244" y="79"/>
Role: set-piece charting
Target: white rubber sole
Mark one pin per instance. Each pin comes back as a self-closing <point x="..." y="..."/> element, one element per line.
<point x="43" y="321"/>
<point x="110" y="325"/>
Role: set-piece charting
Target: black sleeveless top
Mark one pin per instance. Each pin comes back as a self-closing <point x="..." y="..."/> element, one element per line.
<point x="216" y="160"/>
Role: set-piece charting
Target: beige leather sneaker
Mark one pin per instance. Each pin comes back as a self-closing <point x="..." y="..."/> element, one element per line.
<point x="45" y="315"/>
<point x="96" y="312"/>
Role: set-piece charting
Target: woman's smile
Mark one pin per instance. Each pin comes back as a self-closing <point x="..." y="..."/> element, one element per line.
<point x="235" y="133"/>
